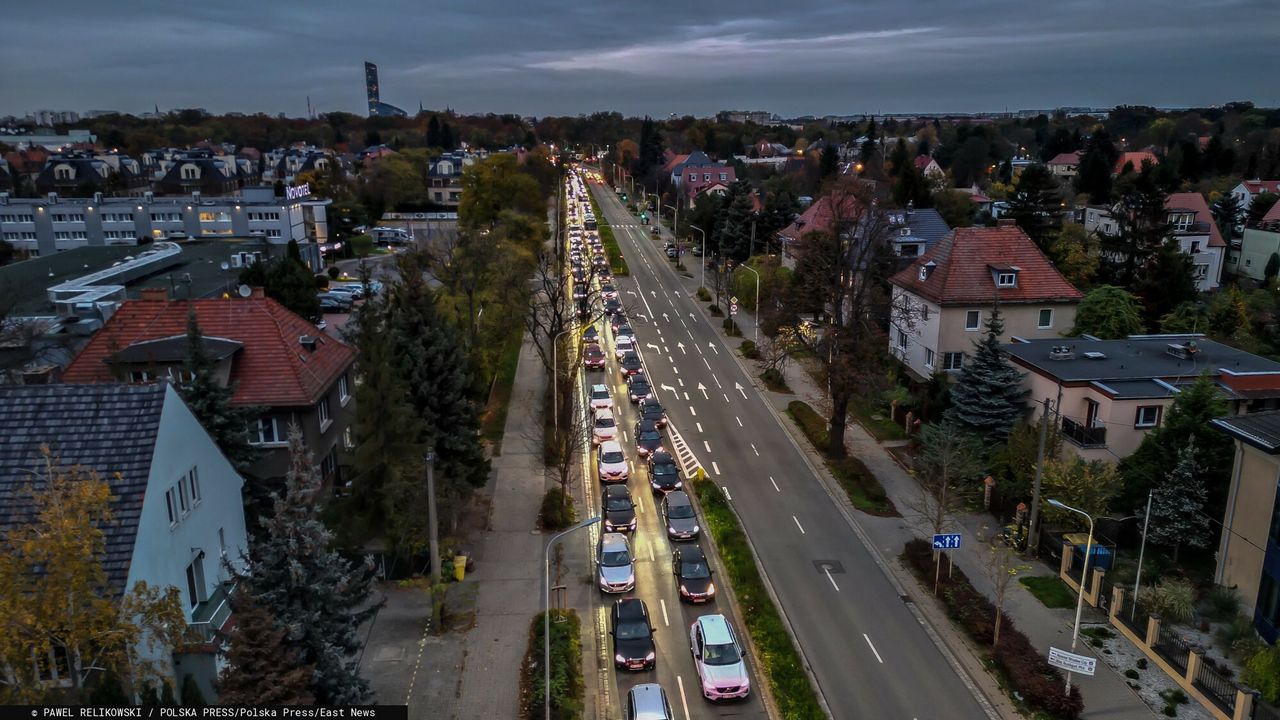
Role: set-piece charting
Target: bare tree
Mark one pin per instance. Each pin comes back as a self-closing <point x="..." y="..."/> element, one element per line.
<point x="946" y="468"/>
<point x="1001" y="568"/>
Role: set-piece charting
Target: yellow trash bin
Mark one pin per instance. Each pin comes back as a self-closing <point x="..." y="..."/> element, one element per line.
<point x="459" y="567"/>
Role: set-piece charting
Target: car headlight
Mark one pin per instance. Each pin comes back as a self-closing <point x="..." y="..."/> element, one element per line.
<point x="684" y="590"/>
<point x="711" y="588"/>
<point x="679" y="484"/>
<point x="696" y="528"/>
<point x="650" y="656"/>
<point x="619" y="658"/>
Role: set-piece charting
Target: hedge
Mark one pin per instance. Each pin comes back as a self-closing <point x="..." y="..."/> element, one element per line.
<point x="568" y="687"/>
<point x="777" y="657"/>
<point x="859" y="484"/>
<point x="1028" y="673"/>
<point x="617" y="263"/>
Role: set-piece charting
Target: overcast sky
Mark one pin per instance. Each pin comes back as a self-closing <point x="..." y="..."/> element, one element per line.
<point x="541" y="57"/>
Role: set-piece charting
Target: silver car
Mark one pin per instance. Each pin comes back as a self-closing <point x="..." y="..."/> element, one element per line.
<point x="679" y="517"/>
<point x="615" y="571"/>
<point x="647" y="701"/>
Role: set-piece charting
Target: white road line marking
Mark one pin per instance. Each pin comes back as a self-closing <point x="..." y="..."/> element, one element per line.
<point x="704" y="362"/>
<point x="686" y="396"/>
<point x="707" y="444"/>
<point x="735" y="417"/>
<point x="652" y="559"/>
<point x="681" y="381"/>
<point x="726" y="492"/>
<point x="873" y="648"/>
<point x="640" y="503"/>
<point x="717" y="379"/>
<point x="726" y="397"/>
<point x="675" y="369"/>
<point x="754" y="450"/>
<point x="692" y="411"/>
<point x="665" y="620"/>
<point x="666" y="349"/>
<point x="775" y="484"/>
<point x="624" y="436"/>
<point x="670" y="359"/>
<point x="682" y="322"/>
<point x="683" y="702"/>
<point x="699" y="349"/>
<point x="715" y="467"/>
<point x="688" y="331"/>
<point x="833" y="580"/>
<point x="802" y="532"/>
<point x="699" y="426"/>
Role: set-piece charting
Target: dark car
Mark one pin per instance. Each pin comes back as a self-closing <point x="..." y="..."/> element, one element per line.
<point x="333" y="306"/>
<point x="664" y="474"/>
<point x="590" y="335"/>
<point x="633" y="647"/>
<point x="648" y="438"/>
<point x="655" y="231"/>
<point x="638" y="388"/>
<point x="619" y="512"/>
<point x="623" y="329"/>
<point x="593" y="357"/>
<point x="612" y="306"/>
<point x="631" y="365"/>
<point x="618" y="320"/>
<point x="651" y="409"/>
<point x="671" y="250"/>
<point x="693" y="574"/>
<point x="679" y="517"/>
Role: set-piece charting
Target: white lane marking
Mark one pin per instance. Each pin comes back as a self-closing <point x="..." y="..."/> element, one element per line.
<point x="833" y="580"/>
<point x="699" y="349"/>
<point x="686" y="396"/>
<point x="873" y="648"/>
<point x="717" y="379"/>
<point x="683" y="702"/>
<point x="640" y="502"/>
<point x="802" y="532"/>
<point x="726" y="492"/>
<point x="652" y="559"/>
<point x="692" y="411"/>
<point x="775" y="484"/>
<point x="688" y="331"/>
<point x="735" y="417"/>
<point x="675" y="369"/>
<point x="715" y="467"/>
<point x="754" y="450"/>
<point x="707" y="444"/>
<point x="726" y="397"/>
<point x="679" y="380"/>
<point x="670" y="359"/>
<point x="624" y="436"/>
<point x="682" y="322"/>
<point x="699" y="426"/>
<point x="704" y="362"/>
<point x="665" y="620"/>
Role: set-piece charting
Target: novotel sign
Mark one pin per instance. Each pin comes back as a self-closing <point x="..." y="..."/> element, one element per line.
<point x="297" y="192"/>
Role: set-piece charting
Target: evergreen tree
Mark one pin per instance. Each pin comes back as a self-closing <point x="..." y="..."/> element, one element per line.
<point x="1260" y="206"/>
<point x="447" y="141"/>
<point x="1165" y="282"/>
<point x="1108" y="312"/>
<point x="830" y="162"/>
<point x="899" y="156"/>
<point x="1094" y="171"/>
<point x="316" y="596"/>
<point x="1227" y="212"/>
<point x="210" y="401"/>
<point x="288" y="281"/>
<point x="262" y="668"/>
<point x="733" y="229"/>
<point x="1141" y="229"/>
<point x="1229" y="317"/>
<point x="1036" y="205"/>
<point x="189" y="693"/>
<point x="1272" y="269"/>
<point x="988" y="398"/>
<point x="433" y="132"/>
<point x="1178" y="506"/>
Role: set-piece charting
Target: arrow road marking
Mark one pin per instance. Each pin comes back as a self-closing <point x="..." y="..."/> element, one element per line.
<point x="667" y="387"/>
<point x="713" y="347"/>
<point x="681" y="346"/>
<point x="802" y="532"/>
<point x="654" y="293"/>
<point x="691" y="317"/>
<point x="703" y="388"/>
<point x="631" y="293"/>
<point x="873" y="648"/>
<point x="666" y="317"/>
<point x="726" y="492"/>
<point x="738" y="386"/>
<point x="651" y="345"/>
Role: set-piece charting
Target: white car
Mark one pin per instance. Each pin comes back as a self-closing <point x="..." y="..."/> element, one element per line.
<point x="612" y="462"/>
<point x="623" y="345"/>
<point x="615" y="571"/>
<point x="600" y="398"/>
<point x="718" y="659"/>
<point x="603" y="427"/>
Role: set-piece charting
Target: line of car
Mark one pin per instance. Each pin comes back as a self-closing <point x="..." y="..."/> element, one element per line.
<point x="717" y="654"/>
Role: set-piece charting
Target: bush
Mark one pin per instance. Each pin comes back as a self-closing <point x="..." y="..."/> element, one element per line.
<point x="1142" y="663"/>
<point x="732" y="327"/>
<point x="567" y="685"/>
<point x="704" y="295"/>
<point x="715" y="310"/>
<point x="749" y="350"/>
<point x="557" y="510"/>
<point x="813" y="425"/>
<point x="333" y="272"/>
<point x="1262" y="672"/>
<point x="322" y="282"/>
<point x="1131" y="674"/>
<point x="1221" y="603"/>
<point x="775" y="380"/>
<point x="1173" y="600"/>
<point x="1238" y="635"/>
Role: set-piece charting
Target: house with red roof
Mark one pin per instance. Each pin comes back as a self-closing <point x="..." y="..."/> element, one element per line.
<point x="1191" y="224"/>
<point x="277" y="362"/>
<point x="1134" y="161"/>
<point x="950" y="291"/>
<point x="929" y="167"/>
<point x="1065" y="165"/>
<point x="1247" y="190"/>
<point x="1253" y="252"/>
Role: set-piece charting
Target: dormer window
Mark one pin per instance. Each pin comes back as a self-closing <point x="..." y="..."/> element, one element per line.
<point x="1007" y="279"/>
<point x="1005" y="276"/>
<point x="927" y="269"/>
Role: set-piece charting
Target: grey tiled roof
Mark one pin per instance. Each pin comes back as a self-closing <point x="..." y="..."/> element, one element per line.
<point x="108" y="428"/>
<point x="1261" y="430"/>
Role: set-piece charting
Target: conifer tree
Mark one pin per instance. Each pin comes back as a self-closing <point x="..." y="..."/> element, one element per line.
<point x="319" y="598"/>
<point x="210" y="401"/>
<point x="1036" y="205"/>
<point x="262" y="669"/>
<point x="988" y="398"/>
<point x="1178" y="506"/>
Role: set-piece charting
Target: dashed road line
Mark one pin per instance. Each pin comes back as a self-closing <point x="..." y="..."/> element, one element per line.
<point x="833" y="580"/>
<point x="775" y="484"/>
<point x="692" y="411"/>
<point x="802" y="532"/>
<point x="726" y="397"/>
<point x="735" y="417"/>
<point x="873" y="648"/>
<point x="754" y="450"/>
<point x="699" y="426"/>
<point x="715" y="467"/>
<point x="707" y="444"/>
<point x="665" y="620"/>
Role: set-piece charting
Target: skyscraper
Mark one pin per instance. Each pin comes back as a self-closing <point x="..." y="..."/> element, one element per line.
<point x="377" y="108"/>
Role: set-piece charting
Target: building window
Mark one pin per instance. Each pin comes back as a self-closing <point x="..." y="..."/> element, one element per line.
<point x="1007" y="279"/>
<point x="1148" y="416"/>
<point x="325" y="418"/>
<point x="902" y="340"/>
<point x="1046" y="319"/>
<point x="347" y="443"/>
<point x="724" y="177"/>
<point x="329" y="464"/>
<point x="1195" y="246"/>
<point x="195" y="581"/>
<point x="140" y="376"/>
<point x="267" y="431"/>
<point x="928" y="357"/>
<point x="344" y="390"/>
<point x="972" y="319"/>
<point x="924" y="313"/>
<point x="222" y="542"/>
<point x="183" y="500"/>
<point x="193" y="480"/>
<point x="171" y="507"/>
<point x="952" y="361"/>
<point x="1268" y="607"/>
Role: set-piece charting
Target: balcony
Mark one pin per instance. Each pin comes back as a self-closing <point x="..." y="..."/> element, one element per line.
<point x="1083" y="435"/>
<point x="209" y="616"/>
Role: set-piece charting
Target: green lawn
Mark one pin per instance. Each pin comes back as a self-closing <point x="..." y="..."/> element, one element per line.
<point x="1050" y="591"/>
<point x="882" y="429"/>
<point x="494" y="421"/>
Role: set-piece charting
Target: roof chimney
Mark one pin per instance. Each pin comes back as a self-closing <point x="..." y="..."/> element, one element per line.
<point x="257" y="292"/>
<point x="1006" y="222"/>
<point x="155" y="293"/>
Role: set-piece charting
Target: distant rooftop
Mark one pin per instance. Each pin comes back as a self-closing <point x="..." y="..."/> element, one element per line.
<point x="1260" y="429"/>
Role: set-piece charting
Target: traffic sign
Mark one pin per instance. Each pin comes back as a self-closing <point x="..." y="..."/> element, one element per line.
<point x="734" y="300"/>
<point x="1082" y="664"/>
<point x="733" y="308"/>
<point x="946" y="541"/>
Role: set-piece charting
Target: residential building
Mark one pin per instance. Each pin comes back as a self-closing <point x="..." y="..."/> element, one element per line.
<point x="1249" y="548"/>
<point x="49" y="118"/>
<point x="6" y="176"/>
<point x="696" y="178"/>
<point x="50" y="141"/>
<point x="277" y="362"/>
<point x="948" y="293"/>
<point x="55" y="223"/>
<point x="1190" y="223"/>
<point x="80" y="173"/>
<point x="915" y="231"/>
<point x="929" y="167"/>
<point x="285" y="164"/>
<point x="759" y="117"/>
<point x="1110" y="393"/>
<point x="444" y="177"/>
<point x="1065" y="165"/>
<point x="177" y="504"/>
<point x="677" y="164"/>
<point x="1249" y="255"/>
<point x="1247" y="190"/>
<point x="206" y="170"/>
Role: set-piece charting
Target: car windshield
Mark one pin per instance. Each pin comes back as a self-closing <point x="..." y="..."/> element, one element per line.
<point x="615" y="558"/>
<point x="679" y="512"/>
<point x="664" y="469"/>
<point x="612" y="458"/>
<point x="595" y="353"/>
<point x="653" y="409"/>
<point x="632" y="630"/>
<point x="599" y="394"/>
<point x="617" y="503"/>
<point x="726" y="654"/>
<point x="604" y="422"/>
<point x="694" y="570"/>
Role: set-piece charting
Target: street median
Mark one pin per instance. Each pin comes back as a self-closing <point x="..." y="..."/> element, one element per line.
<point x="617" y="263"/>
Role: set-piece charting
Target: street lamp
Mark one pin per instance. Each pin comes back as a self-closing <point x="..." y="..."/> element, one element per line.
<point x="546" y="614"/>
<point x="703" y="282"/>
<point x="1142" y="550"/>
<point x="757" y="274"/>
<point x="1084" y="575"/>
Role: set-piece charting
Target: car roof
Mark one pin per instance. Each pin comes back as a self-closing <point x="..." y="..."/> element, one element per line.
<point x="691" y="553"/>
<point x="606" y="413"/>
<point x="613" y="541"/>
<point x="648" y="699"/>
<point x="599" y="387"/>
<point x="715" y="629"/>
<point x="631" y="608"/>
<point x="630" y="355"/>
<point x="620" y="490"/>
<point x="652" y="401"/>
<point x="679" y="497"/>
<point x="662" y="457"/>
<point x="647" y="425"/>
<point x="610" y="446"/>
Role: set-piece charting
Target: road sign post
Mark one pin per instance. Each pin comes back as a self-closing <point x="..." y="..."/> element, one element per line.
<point x="1071" y="662"/>
<point x="946" y="541"/>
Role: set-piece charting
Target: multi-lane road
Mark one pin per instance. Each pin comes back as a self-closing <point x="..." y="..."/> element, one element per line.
<point x="871" y="655"/>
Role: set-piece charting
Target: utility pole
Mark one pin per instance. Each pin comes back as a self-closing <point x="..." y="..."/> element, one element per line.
<point x="1033" y="533"/>
<point x="753" y="244"/>
<point x="433" y="527"/>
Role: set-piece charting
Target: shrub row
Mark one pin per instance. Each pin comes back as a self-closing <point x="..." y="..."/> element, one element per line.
<point x="777" y="658"/>
<point x="859" y="484"/>
<point x="749" y="350"/>
<point x="567" y="685"/>
<point x="617" y="263"/>
<point x="1027" y="671"/>
<point x="557" y="510"/>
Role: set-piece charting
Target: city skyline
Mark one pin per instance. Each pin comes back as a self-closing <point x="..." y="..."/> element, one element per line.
<point x="823" y="58"/>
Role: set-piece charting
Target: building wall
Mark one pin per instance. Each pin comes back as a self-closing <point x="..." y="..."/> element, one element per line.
<point x="320" y="440"/>
<point x="1255" y="250"/>
<point x="1117" y="416"/>
<point x="1250" y="507"/>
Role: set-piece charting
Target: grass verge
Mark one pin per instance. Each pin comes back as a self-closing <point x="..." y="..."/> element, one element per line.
<point x="494" y="420"/>
<point x="1050" y="591"/>
<point x="567" y="684"/>
<point x="863" y="489"/>
<point x="617" y="263"/>
<point x="882" y="429"/>
<point x="777" y="657"/>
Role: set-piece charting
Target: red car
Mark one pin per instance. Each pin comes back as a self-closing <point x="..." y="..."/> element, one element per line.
<point x="593" y="358"/>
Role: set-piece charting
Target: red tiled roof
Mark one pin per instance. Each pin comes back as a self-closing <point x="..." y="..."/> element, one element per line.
<point x="922" y="161"/>
<point x="1071" y="158"/>
<point x="273" y="369"/>
<point x="673" y="162"/>
<point x="1196" y="202"/>
<point x="1273" y="215"/>
<point x="962" y="270"/>
<point x="1137" y="158"/>
<point x="818" y="216"/>
<point x="1261" y="186"/>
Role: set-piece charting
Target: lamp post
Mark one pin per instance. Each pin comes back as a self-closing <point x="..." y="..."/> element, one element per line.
<point x="546" y="614"/>
<point x="555" y="381"/>
<point x="1084" y="576"/>
<point x="757" y="274"/>
<point x="433" y="530"/>
<point x="1142" y="550"/>
<point x="703" y="282"/>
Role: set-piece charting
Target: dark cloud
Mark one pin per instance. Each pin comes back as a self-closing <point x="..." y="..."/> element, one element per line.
<point x="559" y="57"/>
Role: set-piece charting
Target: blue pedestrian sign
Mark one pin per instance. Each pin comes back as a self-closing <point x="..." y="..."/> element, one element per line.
<point x="946" y="541"/>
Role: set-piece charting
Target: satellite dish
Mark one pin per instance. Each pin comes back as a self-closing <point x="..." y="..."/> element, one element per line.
<point x="226" y="265"/>
<point x="245" y="291"/>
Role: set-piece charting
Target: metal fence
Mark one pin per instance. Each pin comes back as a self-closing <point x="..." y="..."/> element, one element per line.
<point x="1134" y="619"/>
<point x="1173" y="649"/>
<point x="1218" y="687"/>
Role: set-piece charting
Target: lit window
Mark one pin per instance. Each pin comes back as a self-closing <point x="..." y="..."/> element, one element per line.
<point x="972" y="319"/>
<point x="1046" y="319"/>
<point x="1148" y="416"/>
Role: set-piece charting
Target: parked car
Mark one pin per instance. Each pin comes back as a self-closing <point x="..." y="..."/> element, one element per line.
<point x="651" y="409"/>
<point x="611" y="462"/>
<point x="717" y="657"/>
<point x="340" y="300"/>
<point x="591" y="335"/>
<point x="631" y="365"/>
<point x="693" y="574"/>
<point x="648" y="438"/>
<point x="617" y="509"/>
<point x="638" y="388"/>
<point x="664" y="474"/>
<point x="623" y="345"/>
<point x="647" y="701"/>
<point x="633" y="646"/>
<point x="600" y="397"/>
<point x="624" y="330"/>
<point x="603" y="427"/>
<point x="679" y="517"/>
<point x="612" y="307"/>
<point x="615" y="571"/>
<point x="593" y="358"/>
<point x="608" y="292"/>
